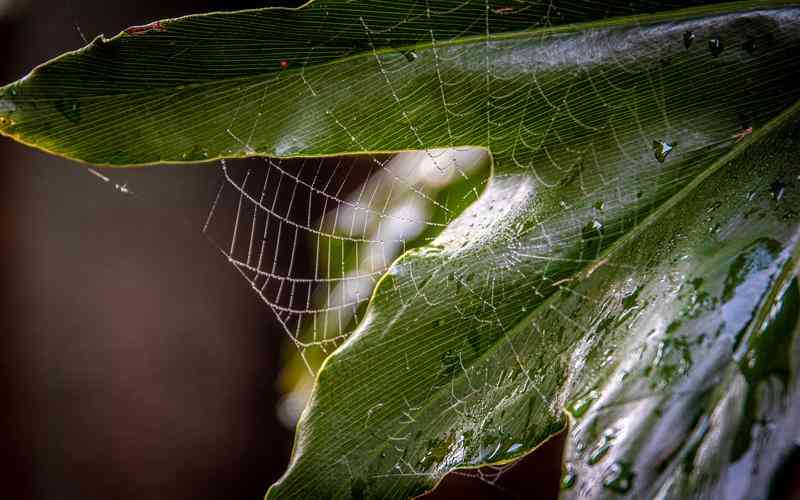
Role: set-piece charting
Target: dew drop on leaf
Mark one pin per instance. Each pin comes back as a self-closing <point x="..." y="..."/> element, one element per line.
<point x="715" y="46"/>
<point x="578" y="407"/>
<point x="661" y="150"/>
<point x="514" y="448"/>
<point x="602" y="447"/>
<point x="619" y="478"/>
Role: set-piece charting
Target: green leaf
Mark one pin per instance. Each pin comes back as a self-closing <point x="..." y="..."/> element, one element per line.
<point x="676" y="352"/>
<point x="359" y="77"/>
<point x="633" y="259"/>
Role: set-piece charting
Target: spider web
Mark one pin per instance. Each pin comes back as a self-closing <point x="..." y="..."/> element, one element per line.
<point x="312" y="237"/>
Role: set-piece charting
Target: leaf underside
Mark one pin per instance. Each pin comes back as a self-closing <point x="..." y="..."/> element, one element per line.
<point x="633" y="260"/>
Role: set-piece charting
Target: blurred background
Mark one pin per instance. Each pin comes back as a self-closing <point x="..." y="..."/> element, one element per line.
<point x="135" y="362"/>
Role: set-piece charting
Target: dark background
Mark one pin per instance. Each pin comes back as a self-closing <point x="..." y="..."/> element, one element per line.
<point x="135" y="363"/>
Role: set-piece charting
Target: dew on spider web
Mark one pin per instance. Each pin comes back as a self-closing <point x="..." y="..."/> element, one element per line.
<point x="313" y="237"/>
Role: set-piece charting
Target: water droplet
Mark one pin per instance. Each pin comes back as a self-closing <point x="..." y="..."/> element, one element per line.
<point x="777" y="189"/>
<point x="410" y="55"/>
<point x="661" y="150"/>
<point x="629" y="300"/>
<point x="578" y="408"/>
<point x="619" y="477"/>
<point x="514" y="448"/>
<point x="602" y="447"/>
<point x="198" y="153"/>
<point x="715" y="45"/>
<point x="688" y="38"/>
<point x="569" y="477"/>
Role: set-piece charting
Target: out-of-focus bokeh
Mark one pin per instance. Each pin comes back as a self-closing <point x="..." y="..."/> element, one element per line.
<point x="135" y="362"/>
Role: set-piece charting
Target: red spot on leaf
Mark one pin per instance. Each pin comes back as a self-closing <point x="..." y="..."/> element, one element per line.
<point x="138" y="30"/>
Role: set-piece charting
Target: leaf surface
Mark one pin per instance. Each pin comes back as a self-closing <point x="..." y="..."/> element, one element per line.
<point x="338" y="77"/>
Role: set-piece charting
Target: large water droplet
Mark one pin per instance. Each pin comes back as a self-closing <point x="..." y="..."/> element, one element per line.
<point x="661" y="150"/>
<point x="715" y="45"/>
<point x="619" y="477"/>
<point x="602" y="447"/>
<point x="578" y="407"/>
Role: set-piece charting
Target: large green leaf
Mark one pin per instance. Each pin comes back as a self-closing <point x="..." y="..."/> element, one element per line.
<point x="651" y="291"/>
<point x="364" y="76"/>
